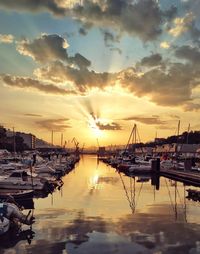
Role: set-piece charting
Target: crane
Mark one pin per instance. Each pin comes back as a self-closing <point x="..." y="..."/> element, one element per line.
<point x="76" y="143"/>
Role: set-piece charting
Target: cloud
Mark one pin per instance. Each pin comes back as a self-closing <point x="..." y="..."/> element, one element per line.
<point x="174" y="116"/>
<point x="80" y="61"/>
<point x="53" y="6"/>
<point x="153" y="60"/>
<point x="125" y="16"/>
<point x="192" y="106"/>
<point x="49" y="48"/>
<point x="6" y="38"/>
<point x="163" y="82"/>
<point x="192" y="6"/>
<point x="171" y="12"/>
<point x="45" y="48"/>
<point x="54" y="124"/>
<point x="192" y="54"/>
<point x="153" y="120"/>
<point x="109" y="37"/>
<point x="82" y="79"/>
<point x="118" y="50"/>
<point x="32" y="115"/>
<point x="169" y="87"/>
<point x="82" y="31"/>
<point x="181" y="24"/>
<point x="24" y="82"/>
<point x="165" y="45"/>
<point x="108" y="126"/>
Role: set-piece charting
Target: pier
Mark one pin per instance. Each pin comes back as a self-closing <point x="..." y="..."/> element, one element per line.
<point x="189" y="178"/>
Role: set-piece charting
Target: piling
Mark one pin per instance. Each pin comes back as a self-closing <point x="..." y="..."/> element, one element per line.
<point x="155" y="165"/>
<point x="188" y="164"/>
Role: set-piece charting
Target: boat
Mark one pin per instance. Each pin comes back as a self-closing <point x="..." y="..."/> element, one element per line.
<point x="193" y="194"/>
<point x="20" y="180"/>
<point x="12" y="212"/>
<point x="140" y="169"/>
<point x="4" y="225"/>
<point x="16" y="194"/>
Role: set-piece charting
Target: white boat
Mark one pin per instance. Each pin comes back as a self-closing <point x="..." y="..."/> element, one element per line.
<point x="142" y="167"/>
<point x="20" y="180"/>
<point x="4" y="225"/>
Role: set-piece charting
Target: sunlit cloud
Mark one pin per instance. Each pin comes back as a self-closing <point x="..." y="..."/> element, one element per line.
<point x="45" y="48"/>
<point x="32" y="115"/>
<point x="6" y="38"/>
<point x="58" y="124"/>
<point x="192" y="107"/>
<point x="146" y="119"/>
<point x="34" y="84"/>
<point x="126" y="16"/>
<point x="165" y="45"/>
<point x="98" y="62"/>
<point x="181" y="25"/>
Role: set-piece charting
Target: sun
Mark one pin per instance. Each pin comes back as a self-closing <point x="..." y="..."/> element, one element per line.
<point x="97" y="132"/>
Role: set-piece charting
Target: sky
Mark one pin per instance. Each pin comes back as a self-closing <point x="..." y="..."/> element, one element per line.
<point x="91" y="69"/>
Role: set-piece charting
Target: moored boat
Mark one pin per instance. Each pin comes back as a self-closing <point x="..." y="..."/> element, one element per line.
<point x="16" y="194"/>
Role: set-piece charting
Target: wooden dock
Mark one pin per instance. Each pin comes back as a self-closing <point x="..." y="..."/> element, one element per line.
<point x="189" y="178"/>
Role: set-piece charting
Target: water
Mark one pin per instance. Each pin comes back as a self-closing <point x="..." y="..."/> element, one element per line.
<point x="100" y="211"/>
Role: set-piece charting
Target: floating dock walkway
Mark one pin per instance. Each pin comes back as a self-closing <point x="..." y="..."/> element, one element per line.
<point x="189" y="178"/>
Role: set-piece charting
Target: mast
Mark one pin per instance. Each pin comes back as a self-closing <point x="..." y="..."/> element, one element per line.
<point x="52" y="137"/>
<point x="187" y="140"/>
<point x="178" y="131"/>
<point x="132" y="135"/>
<point x="179" y="122"/>
<point x="61" y="140"/>
<point x="14" y="142"/>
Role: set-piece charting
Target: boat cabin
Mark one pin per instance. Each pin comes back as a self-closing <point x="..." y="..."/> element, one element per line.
<point x="20" y="174"/>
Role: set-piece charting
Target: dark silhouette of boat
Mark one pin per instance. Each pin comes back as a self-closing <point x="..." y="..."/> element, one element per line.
<point x="16" y="194"/>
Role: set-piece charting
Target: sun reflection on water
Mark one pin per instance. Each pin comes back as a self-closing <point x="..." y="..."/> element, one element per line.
<point x="94" y="182"/>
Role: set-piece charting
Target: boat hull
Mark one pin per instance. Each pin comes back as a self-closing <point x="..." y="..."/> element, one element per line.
<point x="4" y="225"/>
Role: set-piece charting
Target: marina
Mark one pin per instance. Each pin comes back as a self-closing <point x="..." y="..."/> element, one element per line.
<point x="99" y="127"/>
<point x="99" y="206"/>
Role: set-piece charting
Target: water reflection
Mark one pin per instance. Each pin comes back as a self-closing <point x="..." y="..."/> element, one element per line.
<point x="100" y="211"/>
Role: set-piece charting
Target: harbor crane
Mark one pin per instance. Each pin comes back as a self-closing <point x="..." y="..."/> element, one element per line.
<point x="76" y="143"/>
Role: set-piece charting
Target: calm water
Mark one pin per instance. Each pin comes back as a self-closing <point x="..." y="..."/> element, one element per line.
<point x="100" y="211"/>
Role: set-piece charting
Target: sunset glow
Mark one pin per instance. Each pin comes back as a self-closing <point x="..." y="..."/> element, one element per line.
<point x="93" y="74"/>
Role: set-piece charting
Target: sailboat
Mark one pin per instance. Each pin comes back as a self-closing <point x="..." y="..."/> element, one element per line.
<point x="130" y="162"/>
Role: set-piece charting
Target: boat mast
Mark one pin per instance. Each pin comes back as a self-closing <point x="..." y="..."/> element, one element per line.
<point x="61" y="140"/>
<point x="14" y="142"/>
<point x="133" y="133"/>
<point x="178" y="131"/>
<point x="52" y="137"/>
<point x="187" y="140"/>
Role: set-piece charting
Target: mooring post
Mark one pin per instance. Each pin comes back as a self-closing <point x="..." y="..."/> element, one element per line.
<point x="155" y="165"/>
<point x="188" y="164"/>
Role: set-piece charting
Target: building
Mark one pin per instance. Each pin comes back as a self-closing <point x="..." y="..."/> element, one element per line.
<point x="39" y="143"/>
<point x="28" y="138"/>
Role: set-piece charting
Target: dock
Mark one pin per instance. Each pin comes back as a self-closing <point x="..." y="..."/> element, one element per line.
<point x="189" y="178"/>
